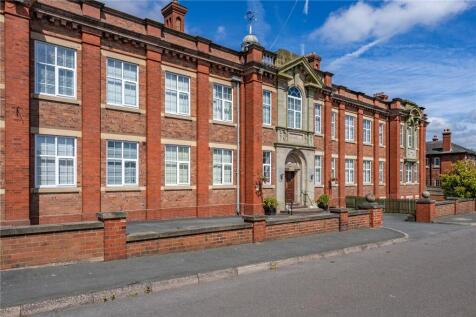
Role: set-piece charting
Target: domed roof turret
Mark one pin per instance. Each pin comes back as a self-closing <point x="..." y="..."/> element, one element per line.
<point x="248" y="40"/>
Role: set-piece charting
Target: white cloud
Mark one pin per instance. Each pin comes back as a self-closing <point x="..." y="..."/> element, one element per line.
<point x="140" y="8"/>
<point x="220" y="33"/>
<point x="361" y="50"/>
<point x="306" y="7"/>
<point x="361" y="21"/>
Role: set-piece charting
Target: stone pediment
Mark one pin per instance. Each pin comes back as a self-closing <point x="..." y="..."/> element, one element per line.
<point x="300" y="66"/>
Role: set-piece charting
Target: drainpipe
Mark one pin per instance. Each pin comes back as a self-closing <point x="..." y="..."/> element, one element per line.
<point x="237" y="81"/>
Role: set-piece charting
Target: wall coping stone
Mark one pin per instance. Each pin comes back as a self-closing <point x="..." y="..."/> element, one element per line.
<point x="50" y="228"/>
<point x="370" y="205"/>
<point x="152" y="235"/>
<point x="425" y="201"/>
<point x="255" y="218"/>
<point x="295" y="219"/>
<point x="358" y="212"/>
<point x="111" y="215"/>
<point x="339" y="210"/>
<point x="444" y="202"/>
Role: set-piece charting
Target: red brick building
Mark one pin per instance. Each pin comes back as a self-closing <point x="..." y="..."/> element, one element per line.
<point x="104" y="111"/>
<point x="441" y="156"/>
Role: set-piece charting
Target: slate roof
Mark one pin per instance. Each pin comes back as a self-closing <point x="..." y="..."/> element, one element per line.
<point x="436" y="147"/>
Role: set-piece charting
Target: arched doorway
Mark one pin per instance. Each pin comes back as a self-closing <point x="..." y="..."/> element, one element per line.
<point x="294" y="177"/>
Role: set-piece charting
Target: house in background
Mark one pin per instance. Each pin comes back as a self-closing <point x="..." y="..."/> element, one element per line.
<point x="441" y="156"/>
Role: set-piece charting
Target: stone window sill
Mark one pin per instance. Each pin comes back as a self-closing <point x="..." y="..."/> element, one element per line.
<point x="123" y="189"/>
<point x="268" y="186"/>
<point x="218" y="187"/>
<point x="350" y="185"/>
<point x="177" y="188"/>
<point x="72" y="101"/>
<point x="225" y="123"/>
<point x="351" y="142"/>
<point x="124" y="109"/>
<point x="179" y="116"/>
<point x="268" y="127"/>
<point x="56" y="190"/>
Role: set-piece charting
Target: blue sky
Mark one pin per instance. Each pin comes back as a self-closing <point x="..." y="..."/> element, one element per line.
<point x="422" y="50"/>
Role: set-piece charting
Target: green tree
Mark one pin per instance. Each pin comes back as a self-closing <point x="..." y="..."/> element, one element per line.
<point x="461" y="181"/>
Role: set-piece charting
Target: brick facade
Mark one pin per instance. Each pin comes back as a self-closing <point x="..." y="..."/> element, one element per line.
<point x="157" y="49"/>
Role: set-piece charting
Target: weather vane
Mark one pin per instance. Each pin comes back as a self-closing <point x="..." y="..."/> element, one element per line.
<point x="250" y="17"/>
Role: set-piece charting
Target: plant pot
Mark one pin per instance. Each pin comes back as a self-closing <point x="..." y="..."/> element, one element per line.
<point x="323" y="206"/>
<point x="269" y="210"/>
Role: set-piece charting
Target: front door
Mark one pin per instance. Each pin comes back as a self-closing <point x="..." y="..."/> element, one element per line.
<point x="289" y="187"/>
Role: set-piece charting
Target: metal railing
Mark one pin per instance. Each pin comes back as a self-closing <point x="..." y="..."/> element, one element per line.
<point x="401" y="206"/>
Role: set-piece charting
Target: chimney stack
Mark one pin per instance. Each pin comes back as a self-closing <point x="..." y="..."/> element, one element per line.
<point x="174" y="16"/>
<point x="435" y="138"/>
<point x="381" y="96"/>
<point x="446" y="140"/>
<point x="314" y="60"/>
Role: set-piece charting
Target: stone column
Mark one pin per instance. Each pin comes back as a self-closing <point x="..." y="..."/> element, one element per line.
<point x="425" y="208"/>
<point x="115" y="236"/>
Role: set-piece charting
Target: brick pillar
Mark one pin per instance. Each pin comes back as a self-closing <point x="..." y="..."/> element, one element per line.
<point x="154" y="108"/>
<point x="327" y="144"/>
<point x="376" y="154"/>
<point x="253" y="143"/>
<point x="425" y="209"/>
<point x="341" y="167"/>
<point x="17" y="114"/>
<point x="393" y="181"/>
<point x="376" y="217"/>
<point x="360" y="153"/>
<point x="422" y="157"/>
<point x="343" y="217"/>
<point x="115" y="236"/>
<point x="91" y="123"/>
<point x="259" y="227"/>
<point x="203" y="152"/>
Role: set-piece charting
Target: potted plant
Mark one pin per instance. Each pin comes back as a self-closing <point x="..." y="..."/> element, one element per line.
<point x="269" y="205"/>
<point x="323" y="202"/>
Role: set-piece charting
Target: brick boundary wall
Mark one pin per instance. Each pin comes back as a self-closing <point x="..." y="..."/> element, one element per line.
<point x="141" y="244"/>
<point x="427" y="209"/>
<point x="107" y="239"/>
<point x="45" y="244"/>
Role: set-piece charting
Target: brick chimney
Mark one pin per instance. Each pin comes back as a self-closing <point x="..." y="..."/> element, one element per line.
<point x="381" y="95"/>
<point x="174" y="16"/>
<point x="314" y="60"/>
<point x="446" y="140"/>
<point x="435" y="138"/>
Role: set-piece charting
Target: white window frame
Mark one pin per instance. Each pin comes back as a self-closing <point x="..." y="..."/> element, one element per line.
<point x="318" y="118"/>
<point x="367" y="172"/>
<point x="367" y="131"/>
<point x="349" y="171"/>
<point x="267" y="181"/>
<point x="318" y="169"/>
<point x="267" y="107"/>
<point x="334" y="125"/>
<point x="178" y="92"/>
<point x="57" y="159"/>
<point x="334" y="168"/>
<point x="402" y="174"/>
<point x="381" y="134"/>
<point x="123" y="165"/>
<point x="123" y="83"/>
<point x="178" y="163"/>
<point x="221" y="116"/>
<point x="410" y="140"/>
<point x="349" y="128"/>
<point x="57" y="68"/>
<point x="381" y="172"/>
<point x="222" y="164"/>
<point x="408" y="172"/>
<point x="436" y="159"/>
<point x="295" y="124"/>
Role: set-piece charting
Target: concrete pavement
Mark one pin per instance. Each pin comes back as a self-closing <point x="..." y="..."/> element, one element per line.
<point x="432" y="275"/>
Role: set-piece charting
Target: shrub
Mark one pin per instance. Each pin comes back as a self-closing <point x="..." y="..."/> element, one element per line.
<point x="461" y="181"/>
<point x="270" y="202"/>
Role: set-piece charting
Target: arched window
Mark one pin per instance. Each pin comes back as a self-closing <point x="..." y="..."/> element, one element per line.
<point x="178" y="24"/>
<point x="294" y="108"/>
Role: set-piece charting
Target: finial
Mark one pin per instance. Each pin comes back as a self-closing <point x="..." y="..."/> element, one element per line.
<point x="250" y="17"/>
